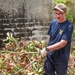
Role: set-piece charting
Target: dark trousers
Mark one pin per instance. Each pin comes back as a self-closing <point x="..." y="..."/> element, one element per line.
<point x="54" y="69"/>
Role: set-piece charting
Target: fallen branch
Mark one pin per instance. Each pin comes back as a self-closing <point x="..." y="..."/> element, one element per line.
<point x="21" y="52"/>
<point x="27" y="65"/>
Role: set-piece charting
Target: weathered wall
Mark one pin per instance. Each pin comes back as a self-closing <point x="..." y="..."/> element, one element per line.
<point x="25" y="18"/>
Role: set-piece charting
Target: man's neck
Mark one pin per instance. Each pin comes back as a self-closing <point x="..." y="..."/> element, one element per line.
<point x="63" y="20"/>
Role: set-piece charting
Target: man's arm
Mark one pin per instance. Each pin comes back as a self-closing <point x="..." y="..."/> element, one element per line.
<point x="58" y="45"/>
<point x="55" y="46"/>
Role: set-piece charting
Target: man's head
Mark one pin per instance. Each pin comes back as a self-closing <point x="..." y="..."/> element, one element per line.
<point x="61" y="7"/>
<point x="60" y="12"/>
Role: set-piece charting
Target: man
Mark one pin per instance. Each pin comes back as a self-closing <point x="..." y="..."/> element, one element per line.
<point x="58" y="50"/>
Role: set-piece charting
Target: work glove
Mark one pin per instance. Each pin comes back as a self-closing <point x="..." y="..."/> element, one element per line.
<point x="44" y="52"/>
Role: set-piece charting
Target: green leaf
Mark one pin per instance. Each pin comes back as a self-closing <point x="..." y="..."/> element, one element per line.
<point x="1" y="60"/>
<point x="4" y="73"/>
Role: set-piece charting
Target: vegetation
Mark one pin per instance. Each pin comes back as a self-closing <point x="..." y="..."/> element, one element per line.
<point x="20" y="57"/>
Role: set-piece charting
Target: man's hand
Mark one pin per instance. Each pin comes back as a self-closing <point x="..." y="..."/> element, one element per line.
<point x="44" y="52"/>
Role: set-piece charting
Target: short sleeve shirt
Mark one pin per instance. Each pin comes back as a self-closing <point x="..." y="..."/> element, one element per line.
<point x="60" y="31"/>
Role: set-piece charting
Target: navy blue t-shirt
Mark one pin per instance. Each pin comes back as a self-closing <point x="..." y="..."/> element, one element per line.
<point x="60" y="31"/>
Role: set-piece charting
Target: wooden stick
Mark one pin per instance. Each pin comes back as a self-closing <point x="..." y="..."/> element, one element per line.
<point x="22" y="52"/>
<point x="27" y="65"/>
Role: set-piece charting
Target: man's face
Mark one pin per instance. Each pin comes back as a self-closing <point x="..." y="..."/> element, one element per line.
<point x="60" y="16"/>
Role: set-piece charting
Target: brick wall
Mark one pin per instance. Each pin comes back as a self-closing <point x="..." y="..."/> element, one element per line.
<point x="23" y="27"/>
<point x="25" y="18"/>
